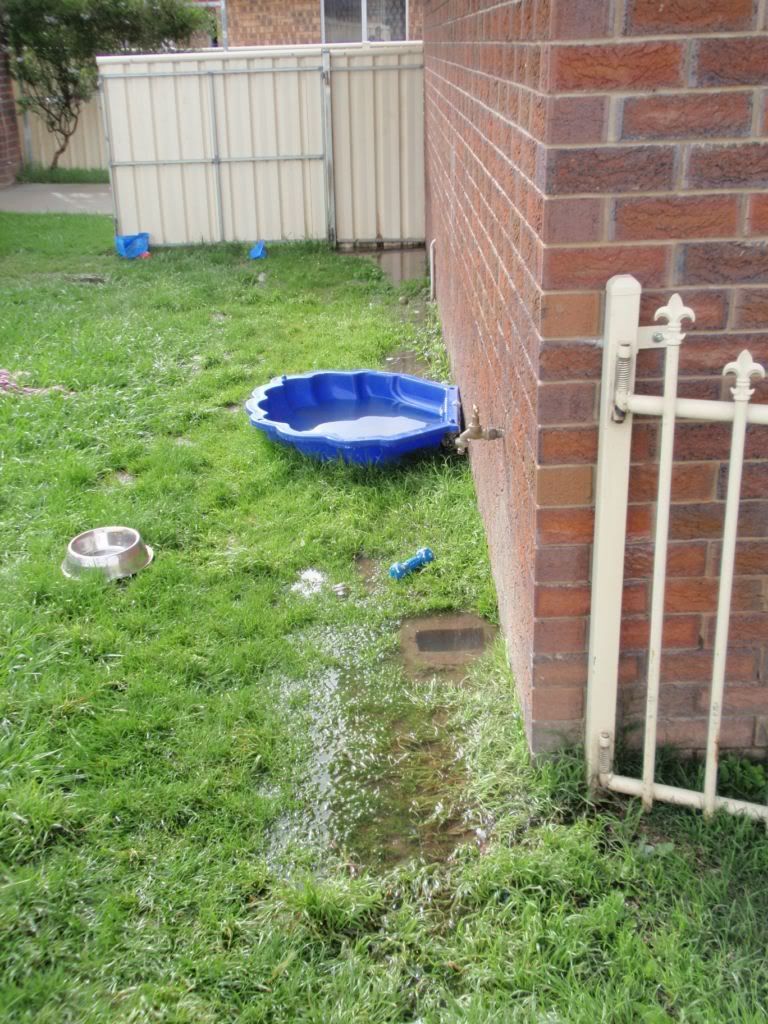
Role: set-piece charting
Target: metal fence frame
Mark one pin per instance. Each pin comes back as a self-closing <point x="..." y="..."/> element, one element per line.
<point x="325" y="64"/>
<point x="618" y="406"/>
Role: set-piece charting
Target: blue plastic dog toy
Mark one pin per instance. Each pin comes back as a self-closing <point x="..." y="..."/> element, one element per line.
<point x="422" y="557"/>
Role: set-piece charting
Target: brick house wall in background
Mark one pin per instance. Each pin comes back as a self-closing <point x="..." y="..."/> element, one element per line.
<point x="567" y="141"/>
<point x="288" y="22"/>
<point x="273" y="22"/>
<point x="10" y="148"/>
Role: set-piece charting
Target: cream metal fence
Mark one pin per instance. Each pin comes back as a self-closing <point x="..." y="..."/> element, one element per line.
<point x="87" y="147"/>
<point x="618" y="407"/>
<point x="283" y="143"/>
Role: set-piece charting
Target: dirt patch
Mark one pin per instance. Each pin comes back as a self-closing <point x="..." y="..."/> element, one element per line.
<point x="9" y="385"/>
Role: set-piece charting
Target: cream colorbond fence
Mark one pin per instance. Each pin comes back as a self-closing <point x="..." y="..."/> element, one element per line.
<point x="284" y="143"/>
<point x="87" y="147"/>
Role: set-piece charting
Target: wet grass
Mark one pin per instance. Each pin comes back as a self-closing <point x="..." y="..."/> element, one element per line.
<point x="154" y="734"/>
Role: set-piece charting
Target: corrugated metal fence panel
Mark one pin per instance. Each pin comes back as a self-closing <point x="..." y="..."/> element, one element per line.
<point x="87" y="147"/>
<point x="231" y="145"/>
<point x="378" y="143"/>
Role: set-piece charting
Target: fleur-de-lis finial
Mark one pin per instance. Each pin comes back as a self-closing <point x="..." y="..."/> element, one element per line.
<point x="744" y="368"/>
<point x="674" y="313"/>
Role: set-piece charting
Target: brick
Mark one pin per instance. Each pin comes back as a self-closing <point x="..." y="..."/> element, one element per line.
<point x="559" y="446"/>
<point x="752" y="309"/>
<point x="564" y="485"/>
<point x="707" y="354"/>
<point x="549" y="737"/>
<point x="680" y="631"/>
<point x="574" y="402"/>
<point x="739" y="699"/>
<point x="576" y="119"/>
<point x="745" y="629"/>
<point x="675" y="701"/>
<point x="671" y="217"/>
<point x="732" y="61"/>
<point x="709" y="305"/>
<point x="580" y="19"/>
<point x="687" y="559"/>
<point x="560" y="636"/>
<point x="757" y="214"/>
<point x="570" y="361"/>
<point x="568" y="221"/>
<point x="742" y="165"/>
<point x="627" y="67"/>
<point x="688" y="16"/>
<point x="576" y="525"/>
<point x="573" y="526"/>
<point x="706" y="520"/>
<point x="563" y="602"/>
<point x="569" y="269"/>
<point x="570" y="315"/>
<point x="700" y="595"/>
<point x="751" y="557"/>
<point x="558" y="703"/>
<point x="690" y="482"/>
<point x="693" y="666"/>
<point x="735" y="733"/>
<point x="687" y="116"/>
<point x="754" y="480"/>
<point x="568" y="563"/>
<point x="610" y="169"/>
<point x="724" y="262"/>
<point x="565" y="671"/>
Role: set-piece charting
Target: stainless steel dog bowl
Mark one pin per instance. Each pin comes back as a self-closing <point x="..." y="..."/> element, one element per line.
<point x="114" y="551"/>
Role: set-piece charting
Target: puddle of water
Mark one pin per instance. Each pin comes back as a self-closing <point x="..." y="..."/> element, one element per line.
<point x="309" y="583"/>
<point x="386" y="773"/>
<point x="444" y="645"/>
<point x="368" y="571"/>
<point x="88" y="279"/>
<point x="407" y="361"/>
<point x="398" y="264"/>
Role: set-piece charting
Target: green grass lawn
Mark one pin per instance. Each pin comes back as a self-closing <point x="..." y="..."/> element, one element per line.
<point x="157" y="735"/>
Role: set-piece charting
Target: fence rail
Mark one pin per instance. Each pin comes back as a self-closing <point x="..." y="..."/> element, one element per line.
<point x="284" y="143"/>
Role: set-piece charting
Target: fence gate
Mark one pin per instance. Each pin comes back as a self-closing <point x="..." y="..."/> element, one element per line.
<point x="618" y="407"/>
<point x="274" y="143"/>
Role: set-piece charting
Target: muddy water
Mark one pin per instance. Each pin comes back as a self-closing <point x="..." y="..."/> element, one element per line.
<point x="405" y="360"/>
<point x="386" y="772"/>
<point x="398" y="264"/>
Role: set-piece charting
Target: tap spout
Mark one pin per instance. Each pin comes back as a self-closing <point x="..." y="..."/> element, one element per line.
<point x="475" y="432"/>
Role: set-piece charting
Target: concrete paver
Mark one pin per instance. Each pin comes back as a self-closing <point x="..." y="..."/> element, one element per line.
<point x="56" y="199"/>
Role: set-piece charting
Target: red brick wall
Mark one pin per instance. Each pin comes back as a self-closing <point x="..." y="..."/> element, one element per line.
<point x="10" y="150"/>
<point x="273" y="22"/>
<point x="568" y="141"/>
<point x="287" y="22"/>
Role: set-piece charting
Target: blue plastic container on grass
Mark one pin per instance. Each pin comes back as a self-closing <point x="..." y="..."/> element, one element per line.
<point x="360" y="416"/>
<point x="130" y="247"/>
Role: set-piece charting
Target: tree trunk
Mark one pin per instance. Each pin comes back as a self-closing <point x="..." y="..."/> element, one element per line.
<point x="59" y="152"/>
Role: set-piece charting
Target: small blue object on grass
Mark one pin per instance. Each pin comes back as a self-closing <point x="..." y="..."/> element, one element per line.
<point x="130" y="247"/>
<point x="422" y="557"/>
<point x="258" y="252"/>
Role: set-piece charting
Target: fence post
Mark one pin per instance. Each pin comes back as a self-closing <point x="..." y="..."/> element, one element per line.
<point x="330" y="193"/>
<point x="622" y="316"/>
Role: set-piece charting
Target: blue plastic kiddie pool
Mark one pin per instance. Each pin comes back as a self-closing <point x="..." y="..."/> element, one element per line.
<point x="362" y="416"/>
